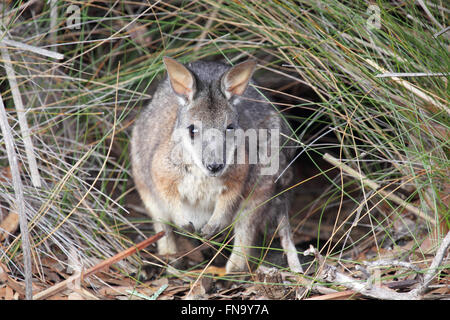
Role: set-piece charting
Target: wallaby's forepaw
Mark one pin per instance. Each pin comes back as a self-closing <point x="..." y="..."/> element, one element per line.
<point x="189" y="228"/>
<point x="209" y="230"/>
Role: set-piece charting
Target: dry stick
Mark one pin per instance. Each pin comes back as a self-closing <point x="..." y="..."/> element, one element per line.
<point x="27" y="47"/>
<point x="106" y="263"/>
<point x="53" y="22"/>
<point x="341" y="295"/>
<point x="122" y="255"/>
<point x="407" y="85"/>
<point x="391" y="263"/>
<point x="437" y="34"/>
<point x="375" y="186"/>
<point x="20" y="201"/>
<point x="330" y="274"/>
<point x="432" y="18"/>
<point x="21" y="115"/>
<point x="412" y="74"/>
<point x="433" y="270"/>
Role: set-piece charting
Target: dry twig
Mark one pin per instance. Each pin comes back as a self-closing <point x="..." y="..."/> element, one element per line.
<point x="106" y="263"/>
<point x="407" y="85"/>
<point x="27" y="47"/>
<point x="331" y="274"/>
<point x="21" y="115"/>
<point x="433" y="270"/>
<point x="20" y="201"/>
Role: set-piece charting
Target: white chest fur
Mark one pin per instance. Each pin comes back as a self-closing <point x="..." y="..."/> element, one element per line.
<point x="198" y="195"/>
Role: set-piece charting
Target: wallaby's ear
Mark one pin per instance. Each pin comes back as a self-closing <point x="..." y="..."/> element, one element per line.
<point x="181" y="79"/>
<point x="235" y="80"/>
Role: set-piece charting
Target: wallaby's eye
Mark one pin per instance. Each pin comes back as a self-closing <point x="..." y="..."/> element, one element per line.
<point x="192" y="131"/>
<point x="230" y="127"/>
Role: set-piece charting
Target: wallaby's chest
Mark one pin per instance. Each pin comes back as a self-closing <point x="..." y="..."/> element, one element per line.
<point x="200" y="191"/>
<point x="198" y="196"/>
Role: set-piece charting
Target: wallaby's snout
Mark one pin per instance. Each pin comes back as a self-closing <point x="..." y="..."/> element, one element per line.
<point x="215" y="167"/>
<point x="216" y="154"/>
<point x="207" y="109"/>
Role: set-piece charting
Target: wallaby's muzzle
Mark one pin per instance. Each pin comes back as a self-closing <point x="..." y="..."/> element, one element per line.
<point x="214" y="167"/>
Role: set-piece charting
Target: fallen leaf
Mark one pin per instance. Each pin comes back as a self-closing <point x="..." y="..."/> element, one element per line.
<point x="75" y="296"/>
<point x="217" y="271"/>
<point x="175" y="290"/>
<point x="9" y="225"/>
<point x="9" y="294"/>
<point x="159" y="282"/>
<point x="57" y="297"/>
<point x="2" y="293"/>
<point x="115" y="290"/>
<point x="5" y="174"/>
<point x="343" y="295"/>
<point x="3" y="272"/>
<point x="16" y="286"/>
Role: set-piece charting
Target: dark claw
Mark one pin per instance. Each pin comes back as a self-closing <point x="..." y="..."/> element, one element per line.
<point x="189" y="228"/>
<point x="209" y="231"/>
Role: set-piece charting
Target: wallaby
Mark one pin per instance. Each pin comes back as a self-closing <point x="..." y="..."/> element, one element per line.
<point x="184" y="151"/>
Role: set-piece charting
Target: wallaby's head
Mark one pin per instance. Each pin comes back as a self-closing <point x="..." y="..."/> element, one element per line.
<point x="207" y="115"/>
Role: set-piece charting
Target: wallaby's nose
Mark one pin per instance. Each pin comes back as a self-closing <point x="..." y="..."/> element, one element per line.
<point x="214" y="167"/>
